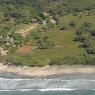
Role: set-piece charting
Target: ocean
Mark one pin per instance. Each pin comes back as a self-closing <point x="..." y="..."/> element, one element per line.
<point x="87" y="92"/>
<point x="69" y="84"/>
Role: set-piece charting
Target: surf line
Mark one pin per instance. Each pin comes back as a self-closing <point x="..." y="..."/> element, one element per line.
<point x="42" y="90"/>
<point x="5" y="79"/>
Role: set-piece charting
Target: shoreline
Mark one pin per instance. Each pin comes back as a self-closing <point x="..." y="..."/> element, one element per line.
<point x="47" y="70"/>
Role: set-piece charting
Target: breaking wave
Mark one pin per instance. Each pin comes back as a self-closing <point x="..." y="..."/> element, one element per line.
<point x="45" y="85"/>
<point x="42" y="90"/>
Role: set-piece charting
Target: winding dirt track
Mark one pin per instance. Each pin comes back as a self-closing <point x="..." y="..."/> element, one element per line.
<point x="25" y="32"/>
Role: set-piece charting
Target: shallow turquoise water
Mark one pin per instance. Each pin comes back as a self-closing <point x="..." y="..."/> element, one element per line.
<point x="87" y="92"/>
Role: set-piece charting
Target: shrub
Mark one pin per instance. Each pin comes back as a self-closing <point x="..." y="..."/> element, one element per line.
<point x="73" y="60"/>
<point x="79" y="38"/>
<point x="93" y="33"/>
<point x="72" y="24"/>
<point x="90" y="50"/>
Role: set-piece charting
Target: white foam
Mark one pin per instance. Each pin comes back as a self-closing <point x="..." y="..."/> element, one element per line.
<point x="57" y="89"/>
<point x="42" y="90"/>
<point x="23" y="90"/>
<point x="1" y="78"/>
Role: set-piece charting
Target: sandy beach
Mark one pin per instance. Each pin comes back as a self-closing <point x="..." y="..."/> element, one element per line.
<point x="46" y="71"/>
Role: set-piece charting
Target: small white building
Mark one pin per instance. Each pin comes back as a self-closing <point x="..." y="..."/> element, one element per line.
<point x="44" y="22"/>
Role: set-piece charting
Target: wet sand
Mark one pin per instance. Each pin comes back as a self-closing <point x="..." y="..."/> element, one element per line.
<point x="51" y="71"/>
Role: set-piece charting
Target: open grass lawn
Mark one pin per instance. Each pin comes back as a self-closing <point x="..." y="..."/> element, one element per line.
<point x="65" y="46"/>
<point x="79" y="19"/>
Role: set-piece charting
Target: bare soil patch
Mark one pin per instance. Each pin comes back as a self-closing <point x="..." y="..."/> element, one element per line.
<point x="24" y="49"/>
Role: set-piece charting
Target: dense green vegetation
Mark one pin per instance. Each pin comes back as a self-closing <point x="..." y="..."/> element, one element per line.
<point x="65" y="32"/>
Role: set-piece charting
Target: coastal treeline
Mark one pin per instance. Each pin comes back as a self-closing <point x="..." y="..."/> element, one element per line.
<point x="47" y="32"/>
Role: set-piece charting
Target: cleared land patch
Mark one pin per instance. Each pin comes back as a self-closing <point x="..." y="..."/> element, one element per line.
<point x="24" y="49"/>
